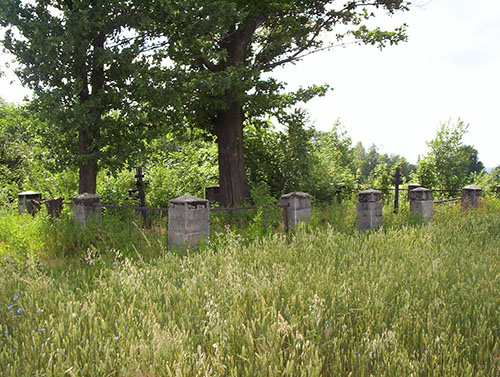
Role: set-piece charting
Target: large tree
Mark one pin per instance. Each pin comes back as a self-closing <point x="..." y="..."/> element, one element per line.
<point x="79" y="57"/>
<point x="222" y="49"/>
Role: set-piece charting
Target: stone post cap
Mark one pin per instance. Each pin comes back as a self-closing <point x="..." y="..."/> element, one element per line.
<point x="472" y="188"/>
<point x="29" y="193"/>
<point x="189" y="199"/>
<point x="369" y="196"/>
<point x="296" y="194"/>
<point x="212" y="187"/>
<point x="413" y="186"/>
<point x="58" y="199"/>
<point x="85" y="198"/>
<point x="420" y="193"/>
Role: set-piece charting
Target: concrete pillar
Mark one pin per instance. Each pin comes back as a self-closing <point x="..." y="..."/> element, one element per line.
<point x="421" y="203"/>
<point x="298" y="210"/>
<point x="212" y="193"/>
<point x="85" y="208"/>
<point x="188" y="221"/>
<point x="54" y="206"/>
<point x="471" y="196"/>
<point x="412" y="186"/>
<point x="369" y="209"/>
<point x="25" y="202"/>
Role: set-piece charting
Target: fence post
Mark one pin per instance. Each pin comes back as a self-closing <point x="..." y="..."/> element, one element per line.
<point x="188" y="221"/>
<point x="397" y="182"/>
<point x="421" y="203"/>
<point x="471" y="196"/>
<point x="369" y="209"/>
<point x="85" y="208"/>
<point x="338" y="191"/>
<point x="54" y="206"/>
<point x="212" y="193"/>
<point x="298" y="208"/>
<point x="498" y="191"/>
<point x="25" y="202"/>
<point x="140" y="184"/>
<point x="412" y="186"/>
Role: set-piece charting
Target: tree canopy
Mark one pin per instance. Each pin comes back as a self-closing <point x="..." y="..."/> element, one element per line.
<point x="79" y="59"/>
<point x="223" y="49"/>
<point x="98" y="68"/>
<point x="449" y="163"/>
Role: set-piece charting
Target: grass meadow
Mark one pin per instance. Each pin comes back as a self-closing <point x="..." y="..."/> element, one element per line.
<point x="410" y="299"/>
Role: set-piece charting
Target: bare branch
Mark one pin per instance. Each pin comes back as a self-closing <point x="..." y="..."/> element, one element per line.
<point x="296" y="57"/>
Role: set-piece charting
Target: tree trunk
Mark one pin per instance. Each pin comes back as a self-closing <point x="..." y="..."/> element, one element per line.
<point x="232" y="177"/>
<point x="88" y="167"/>
<point x="89" y="135"/>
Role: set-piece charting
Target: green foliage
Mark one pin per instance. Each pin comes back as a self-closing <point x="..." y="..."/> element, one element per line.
<point x="487" y="182"/>
<point x="335" y="166"/>
<point x="495" y="174"/>
<point x="186" y="168"/>
<point x="268" y="217"/>
<point x="298" y="158"/>
<point x="20" y="149"/>
<point x="42" y="238"/>
<point x="80" y="62"/>
<point x="368" y="160"/>
<point x="382" y="179"/>
<point x="301" y="158"/>
<point x="451" y="160"/>
<point x="426" y="174"/>
<point x="446" y="166"/>
<point x="221" y="50"/>
<point x="263" y="149"/>
<point x="19" y="235"/>
<point x="475" y="166"/>
<point x="113" y="188"/>
<point x="283" y="160"/>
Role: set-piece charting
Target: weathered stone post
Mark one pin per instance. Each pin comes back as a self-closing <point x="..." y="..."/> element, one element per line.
<point x="298" y="208"/>
<point x="188" y="221"/>
<point x="421" y="203"/>
<point x="54" y="206"/>
<point x="25" y="202"/>
<point x="85" y="208"/>
<point x="498" y="191"/>
<point x="471" y="196"/>
<point x="212" y="193"/>
<point x="369" y="209"/>
<point x="412" y="186"/>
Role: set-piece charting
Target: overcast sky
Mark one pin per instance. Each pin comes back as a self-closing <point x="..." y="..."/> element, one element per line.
<point x="396" y="98"/>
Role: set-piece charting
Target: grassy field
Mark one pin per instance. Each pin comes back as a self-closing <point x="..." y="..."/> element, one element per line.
<point x="408" y="300"/>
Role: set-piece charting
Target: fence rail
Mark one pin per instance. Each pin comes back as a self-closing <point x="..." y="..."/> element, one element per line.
<point x="447" y="200"/>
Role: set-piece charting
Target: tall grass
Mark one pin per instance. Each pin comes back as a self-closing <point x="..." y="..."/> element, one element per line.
<point x="421" y="300"/>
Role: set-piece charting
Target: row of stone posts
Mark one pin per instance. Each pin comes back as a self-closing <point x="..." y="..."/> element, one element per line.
<point x="85" y="206"/>
<point x="369" y="207"/>
<point x="188" y="216"/>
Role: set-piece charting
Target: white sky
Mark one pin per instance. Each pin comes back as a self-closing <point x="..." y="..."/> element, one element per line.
<point x="396" y="98"/>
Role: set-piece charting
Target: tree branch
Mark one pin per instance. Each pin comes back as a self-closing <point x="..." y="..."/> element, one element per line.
<point x="296" y="57"/>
